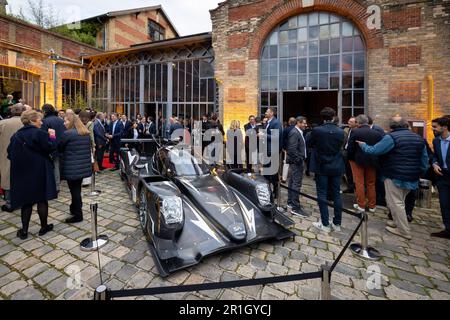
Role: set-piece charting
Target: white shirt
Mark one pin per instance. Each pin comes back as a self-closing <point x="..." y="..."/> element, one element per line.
<point x="304" y="141"/>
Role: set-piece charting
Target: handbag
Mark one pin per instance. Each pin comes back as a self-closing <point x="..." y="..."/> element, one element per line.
<point x="285" y="172"/>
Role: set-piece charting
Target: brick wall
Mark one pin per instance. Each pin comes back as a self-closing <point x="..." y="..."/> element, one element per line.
<point x="404" y="56"/>
<point x="409" y="47"/>
<point x="130" y="29"/>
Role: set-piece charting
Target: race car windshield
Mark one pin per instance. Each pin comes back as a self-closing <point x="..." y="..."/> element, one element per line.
<point x="184" y="164"/>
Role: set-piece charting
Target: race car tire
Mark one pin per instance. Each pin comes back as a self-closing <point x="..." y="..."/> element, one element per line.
<point x="143" y="216"/>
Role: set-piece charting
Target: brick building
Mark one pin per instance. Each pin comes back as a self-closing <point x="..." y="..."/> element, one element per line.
<point x="41" y="66"/>
<point x="121" y="29"/>
<point x="34" y="61"/>
<point x="378" y="56"/>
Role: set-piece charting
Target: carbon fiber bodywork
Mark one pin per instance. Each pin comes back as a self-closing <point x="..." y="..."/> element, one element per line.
<point x="216" y="216"/>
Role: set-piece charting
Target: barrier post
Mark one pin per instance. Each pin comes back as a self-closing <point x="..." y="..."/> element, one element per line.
<point x="102" y="293"/>
<point x="362" y="249"/>
<point x="325" y="293"/>
<point x="279" y="207"/>
<point x="95" y="242"/>
<point x="94" y="193"/>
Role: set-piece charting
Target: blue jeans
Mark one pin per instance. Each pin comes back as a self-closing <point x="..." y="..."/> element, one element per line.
<point x="443" y="185"/>
<point x="322" y="183"/>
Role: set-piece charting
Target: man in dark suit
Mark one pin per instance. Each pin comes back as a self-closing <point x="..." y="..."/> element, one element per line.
<point x="116" y="130"/>
<point x="296" y="155"/>
<point x="251" y="131"/>
<point x="348" y="170"/>
<point x="126" y="123"/>
<point x="100" y="140"/>
<point x="441" y="165"/>
<point x="274" y="130"/>
<point x="292" y="124"/>
<point x="151" y="126"/>
<point x="327" y="163"/>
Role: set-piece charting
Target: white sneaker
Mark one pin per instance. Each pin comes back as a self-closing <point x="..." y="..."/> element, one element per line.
<point x="321" y="227"/>
<point x="373" y="210"/>
<point x="335" y="227"/>
<point x="357" y="207"/>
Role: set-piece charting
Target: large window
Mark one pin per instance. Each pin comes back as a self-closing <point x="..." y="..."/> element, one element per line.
<point x="155" y="31"/>
<point x="21" y="85"/>
<point x="74" y="93"/>
<point x="315" y="51"/>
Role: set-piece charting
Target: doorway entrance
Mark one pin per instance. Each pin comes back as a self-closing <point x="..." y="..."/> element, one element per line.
<point x="308" y="104"/>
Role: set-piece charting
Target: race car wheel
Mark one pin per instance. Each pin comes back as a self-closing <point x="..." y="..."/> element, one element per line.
<point x="143" y="210"/>
<point x="143" y="216"/>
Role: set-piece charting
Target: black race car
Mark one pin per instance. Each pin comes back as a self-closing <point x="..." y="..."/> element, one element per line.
<point x="187" y="211"/>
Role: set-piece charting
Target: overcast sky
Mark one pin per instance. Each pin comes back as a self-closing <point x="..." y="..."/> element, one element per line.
<point x="188" y="16"/>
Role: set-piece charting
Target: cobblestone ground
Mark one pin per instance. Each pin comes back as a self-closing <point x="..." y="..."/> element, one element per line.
<point x="41" y="267"/>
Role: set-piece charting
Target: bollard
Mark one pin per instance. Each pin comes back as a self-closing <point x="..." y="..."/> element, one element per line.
<point x="95" y="242"/>
<point x="93" y="193"/>
<point x="362" y="249"/>
<point x="325" y="293"/>
<point x="102" y="293"/>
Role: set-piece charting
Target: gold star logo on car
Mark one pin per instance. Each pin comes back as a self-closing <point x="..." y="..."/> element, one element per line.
<point x="224" y="206"/>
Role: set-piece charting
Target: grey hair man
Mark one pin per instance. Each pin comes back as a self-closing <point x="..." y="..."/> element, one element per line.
<point x="404" y="158"/>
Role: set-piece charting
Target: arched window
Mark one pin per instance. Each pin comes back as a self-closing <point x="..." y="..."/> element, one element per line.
<point x="311" y="61"/>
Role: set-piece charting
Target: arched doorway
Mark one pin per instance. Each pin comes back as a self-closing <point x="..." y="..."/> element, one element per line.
<point x="311" y="61"/>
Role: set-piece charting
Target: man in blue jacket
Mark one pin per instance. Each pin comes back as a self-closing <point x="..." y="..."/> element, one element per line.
<point x="274" y="130"/>
<point x="116" y="130"/>
<point x="404" y="160"/>
<point x="441" y="166"/>
<point x="327" y="162"/>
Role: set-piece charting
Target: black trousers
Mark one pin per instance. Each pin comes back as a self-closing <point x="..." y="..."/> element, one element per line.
<point x="410" y="202"/>
<point x="27" y="210"/>
<point x="99" y="155"/>
<point x="348" y="173"/>
<point x="443" y="185"/>
<point x="76" y="207"/>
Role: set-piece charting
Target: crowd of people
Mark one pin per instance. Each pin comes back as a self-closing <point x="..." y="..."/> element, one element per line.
<point x="41" y="148"/>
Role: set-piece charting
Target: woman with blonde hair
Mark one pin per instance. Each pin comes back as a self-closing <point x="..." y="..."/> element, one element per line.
<point x="75" y="148"/>
<point x="234" y="145"/>
<point x="32" y="171"/>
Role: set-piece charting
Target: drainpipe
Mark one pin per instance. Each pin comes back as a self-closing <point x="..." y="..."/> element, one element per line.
<point x="55" y="86"/>
<point x="430" y="104"/>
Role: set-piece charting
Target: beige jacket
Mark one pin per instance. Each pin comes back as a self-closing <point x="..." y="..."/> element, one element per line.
<point x="8" y="128"/>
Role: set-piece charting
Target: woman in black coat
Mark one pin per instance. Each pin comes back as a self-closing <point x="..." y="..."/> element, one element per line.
<point x="32" y="171"/>
<point x="76" y="162"/>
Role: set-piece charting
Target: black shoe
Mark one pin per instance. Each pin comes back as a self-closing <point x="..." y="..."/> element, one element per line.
<point x="300" y="213"/>
<point x="6" y="208"/>
<point x="390" y="216"/>
<point x="348" y="191"/>
<point x="443" y="234"/>
<point x="410" y="218"/>
<point x="46" y="229"/>
<point x="74" y="220"/>
<point x="22" y="235"/>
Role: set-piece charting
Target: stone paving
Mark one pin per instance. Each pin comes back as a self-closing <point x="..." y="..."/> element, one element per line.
<point x="47" y="267"/>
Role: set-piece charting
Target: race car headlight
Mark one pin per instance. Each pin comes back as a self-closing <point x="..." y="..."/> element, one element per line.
<point x="263" y="193"/>
<point x="172" y="210"/>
